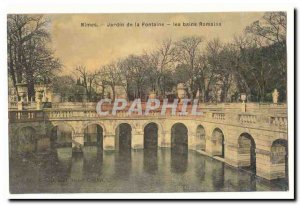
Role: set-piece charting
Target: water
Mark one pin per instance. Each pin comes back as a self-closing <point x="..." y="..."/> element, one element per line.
<point x="135" y="171"/>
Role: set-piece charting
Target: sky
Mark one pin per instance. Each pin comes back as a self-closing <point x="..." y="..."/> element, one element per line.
<point x="94" y="47"/>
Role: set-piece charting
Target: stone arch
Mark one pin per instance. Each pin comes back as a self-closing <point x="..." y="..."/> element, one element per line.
<point x="26" y="141"/>
<point x="179" y="147"/>
<point x="161" y="130"/>
<point x="123" y="136"/>
<point x="246" y="151"/>
<point x="61" y="135"/>
<point x="160" y="127"/>
<point x="116" y="125"/>
<point x="218" y="142"/>
<point x="151" y="135"/>
<point x="279" y="156"/>
<point x="93" y="135"/>
<point x="179" y="137"/>
<point x="58" y="123"/>
<point x="189" y="128"/>
<point x="85" y="125"/>
<point x="200" y="139"/>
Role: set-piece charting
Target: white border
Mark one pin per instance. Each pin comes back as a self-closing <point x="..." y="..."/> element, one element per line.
<point x="136" y="6"/>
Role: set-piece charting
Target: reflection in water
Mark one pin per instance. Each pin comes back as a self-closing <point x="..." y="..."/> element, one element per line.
<point x="246" y="181"/>
<point x="179" y="161"/>
<point x="123" y="163"/>
<point x="92" y="163"/>
<point x="218" y="175"/>
<point x="130" y="171"/>
<point x="150" y="160"/>
<point x="200" y="169"/>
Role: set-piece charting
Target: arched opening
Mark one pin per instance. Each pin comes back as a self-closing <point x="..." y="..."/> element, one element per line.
<point x="123" y="137"/>
<point x="179" y="148"/>
<point x="123" y="145"/>
<point x="200" y="138"/>
<point x="61" y="136"/>
<point x="179" y="138"/>
<point x="150" y="147"/>
<point x="151" y="136"/>
<point x="27" y="141"/>
<point x="218" y="141"/>
<point x="246" y="151"/>
<point x="93" y="136"/>
<point x="279" y="157"/>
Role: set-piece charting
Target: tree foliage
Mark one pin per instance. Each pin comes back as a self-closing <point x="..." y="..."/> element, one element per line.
<point x="29" y="58"/>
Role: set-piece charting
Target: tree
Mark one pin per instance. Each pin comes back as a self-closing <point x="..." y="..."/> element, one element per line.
<point x="29" y="58"/>
<point x="269" y="36"/>
<point x="188" y="54"/>
<point x="65" y="86"/>
<point x="111" y="75"/>
<point x="88" y="80"/>
<point x="166" y="60"/>
<point x="135" y="75"/>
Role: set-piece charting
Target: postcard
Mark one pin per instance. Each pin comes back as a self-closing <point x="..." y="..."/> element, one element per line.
<point x="148" y="102"/>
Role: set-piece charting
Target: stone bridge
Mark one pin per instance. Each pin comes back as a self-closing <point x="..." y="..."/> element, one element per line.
<point x="241" y="135"/>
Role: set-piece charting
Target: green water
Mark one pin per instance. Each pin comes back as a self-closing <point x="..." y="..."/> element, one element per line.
<point x="135" y="171"/>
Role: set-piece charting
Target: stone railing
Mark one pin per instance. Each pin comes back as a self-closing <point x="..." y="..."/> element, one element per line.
<point x="266" y="118"/>
<point x="26" y="116"/>
<point x="13" y="105"/>
<point x="247" y="118"/>
<point x="278" y="121"/>
<point x="218" y="116"/>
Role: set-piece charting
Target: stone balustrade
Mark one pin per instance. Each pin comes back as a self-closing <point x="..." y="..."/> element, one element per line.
<point x="268" y="116"/>
<point x="26" y="116"/>
<point x="218" y="116"/>
<point x="278" y="121"/>
<point x="247" y="118"/>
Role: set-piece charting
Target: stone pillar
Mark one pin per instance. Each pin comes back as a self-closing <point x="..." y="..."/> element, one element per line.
<point x="39" y="105"/>
<point x="231" y="154"/>
<point x="20" y="105"/>
<point x="213" y="147"/>
<point x="263" y="163"/>
<point x="109" y="142"/>
<point x="77" y="141"/>
<point x="191" y="141"/>
<point x="209" y="149"/>
<point x="43" y="143"/>
<point x="137" y="140"/>
<point x="265" y="168"/>
<point x="166" y="140"/>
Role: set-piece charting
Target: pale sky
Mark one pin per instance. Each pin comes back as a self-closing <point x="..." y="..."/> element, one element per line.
<point x="97" y="46"/>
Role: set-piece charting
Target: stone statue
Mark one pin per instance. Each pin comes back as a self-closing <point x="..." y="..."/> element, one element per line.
<point x="275" y="96"/>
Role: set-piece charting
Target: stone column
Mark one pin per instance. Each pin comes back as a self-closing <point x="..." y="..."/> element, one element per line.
<point x="39" y="105"/>
<point x="43" y="143"/>
<point x="77" y="141"/>
<point x="231" y="154"/>
<point x="263" y="163"/>
<point x="209" y="149"/>
<point x="137" y="140"/>
<point x="213" y="146"/>
<point x="109" y="142"/>
<point x="191" y="141"/>
<point x="166" y="140"/>
<point x="265" y="168"/>
<point x="20" y="105"/>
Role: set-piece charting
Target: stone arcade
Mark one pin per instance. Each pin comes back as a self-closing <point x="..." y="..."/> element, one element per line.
<point x="241" y="135"/>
